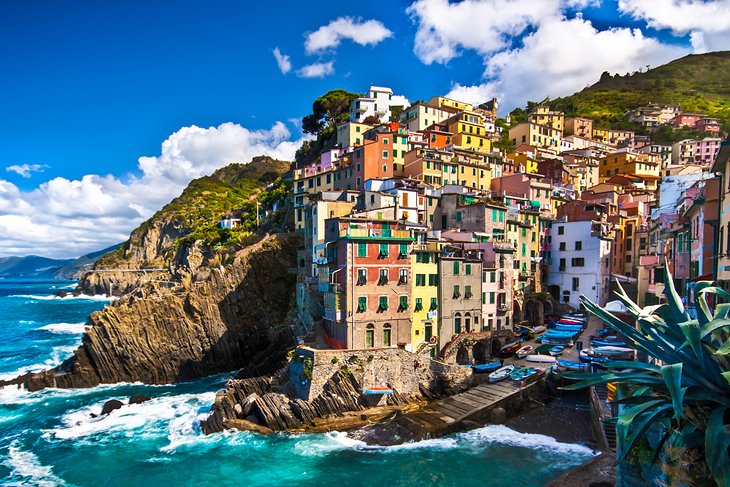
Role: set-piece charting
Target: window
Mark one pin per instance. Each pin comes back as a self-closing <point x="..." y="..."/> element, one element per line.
<point x="467" y="292"/>
<point x="561" y="246"/>
<point x="484" y="298"/>
<point x="467" y="269"/>
<point x="562" y="264"/>
<point x="578" y="245"/>
<point x="385" y="141"/>
<point x="403" y="251"/>
<point x="386" y="335"/>
<point x="362" y="249"/>
<point x="403" y="276"/>
<point x="456" y="267"/>
<point x="561" y="230"/>
<point x="383" y="279"/>
<point x="370" y="336"/>
<point x="419" y="304"/>
<point x="420" y="279"/>
<point x="576" y="283"/>
<point x="383" y="251"/>
<point x="383" y="303"/>
<point x="577" y="262"/>
<point x="362" y="304"/>
<point x="457" y="323"/>
<point x="458" y="216"/>
<point x="403" y="303"/>
<point x="491" y="298"/>
<point x="433" y="279"/>
<point x="385" y="154"/>
<point x="457" y="293"/>
<point x="362" y="277"/>
<point x="434" y="304"/>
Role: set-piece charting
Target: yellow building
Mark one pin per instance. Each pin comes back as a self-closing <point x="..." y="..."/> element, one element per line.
<point x="469" y="131"/>
<point x="450" y="104"/>
<point x="309" y="181"/>
<point x="630" y="163"/>
<point x="351" y="134"/>
<point x="542" y="115"/>
<point x="525" y="159"/>
<point x="536" y="135"/>
<point x="424" y="293"/>
<point x="612" y="137"/>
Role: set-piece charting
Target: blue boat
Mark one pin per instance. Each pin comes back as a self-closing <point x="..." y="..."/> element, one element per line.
<point x="486" y="368"/>
<point x="557" y="350"/>
<point x="374" y="391"/>
<point x="571" y="365"/>
<point x="559" y="334"/>
<point x="607" y="343"/>
<point x="568" y="328"/>
<point x="571" y="322"/>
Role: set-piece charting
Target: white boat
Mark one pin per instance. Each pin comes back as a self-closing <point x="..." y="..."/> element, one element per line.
<point x="501" y="374"/>
<point x="525" y="351"/>
<point x="541" y="359"/>
<point x="613" y="350"/>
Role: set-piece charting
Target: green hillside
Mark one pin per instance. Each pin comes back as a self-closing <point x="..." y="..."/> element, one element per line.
<point x="698" y="83"/>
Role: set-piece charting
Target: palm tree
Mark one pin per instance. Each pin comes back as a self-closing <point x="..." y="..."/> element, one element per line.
<point x="683" y="394"/>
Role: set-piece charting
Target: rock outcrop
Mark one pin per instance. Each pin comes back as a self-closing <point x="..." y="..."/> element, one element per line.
<point x="213" y="319"/>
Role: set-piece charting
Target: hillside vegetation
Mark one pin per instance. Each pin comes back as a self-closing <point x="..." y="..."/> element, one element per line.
<point x="698" y="83"/>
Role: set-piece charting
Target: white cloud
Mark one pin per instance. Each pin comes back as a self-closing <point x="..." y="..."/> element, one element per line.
<point x="548" y="65"/>
<point x="316" y="70"/>
<point x="399" y="101"/>
<point x="681" y="16"/>
<point x="25" y="170"/>
<point x="64" y="218"/>
<point x="369" y="32"/>
<point x="282" y="60"/>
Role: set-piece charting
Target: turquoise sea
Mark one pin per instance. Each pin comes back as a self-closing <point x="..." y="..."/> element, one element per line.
<point x="48" y="438"/>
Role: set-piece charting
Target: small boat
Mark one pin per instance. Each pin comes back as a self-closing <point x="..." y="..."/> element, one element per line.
<point x="612" y="350"/>
<point x="526" y="374"/>
<point x="372" y="391"/>
<point x="570" y="365"/>
<point x="557" y="350"/>
<point x="576" y="329"/>
<point x="560" y="334"/>
<point x="524" y="351"/>
<point x="539" y="330"/>
<point x="576" y="315"/>
<point x="606" y="334"/>
<point x="501" y="374"/>
<point x="509" y="349"/>
<point x="486" y="368"/>
<point x="607" y="343"/>
<point x="586" y="357"/>
<point x="541" y="359"/>
<point x="571" y="320"/>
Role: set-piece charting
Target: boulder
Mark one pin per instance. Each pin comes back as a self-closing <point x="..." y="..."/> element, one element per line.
<point x="111" y="405"/>
<point x="139" y="399"/>
<point x="498" y="415"/>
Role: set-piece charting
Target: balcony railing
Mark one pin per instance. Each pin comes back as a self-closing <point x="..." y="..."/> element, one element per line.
<point x="372" y="233"/>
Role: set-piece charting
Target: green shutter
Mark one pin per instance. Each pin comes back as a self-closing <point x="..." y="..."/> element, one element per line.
<point x="419" y="304"/>
<point x="468" y="269"/>
<point x="383" y="301"/>
<point x="456" y="267"/>
<point x="492" y="276"/>
<point x="404" y="302"/>
<point x="362" y="304"/>
<point x="434" y="304"/>
<point x="362" y="249"/>
<point x="403" y="249"/>
<point x="491" y="298"/>
<point x="384" y="250"/>
<point x="458" y="216"/>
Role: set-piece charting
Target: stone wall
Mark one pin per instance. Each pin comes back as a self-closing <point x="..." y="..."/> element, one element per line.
<point x="403" y="371"/>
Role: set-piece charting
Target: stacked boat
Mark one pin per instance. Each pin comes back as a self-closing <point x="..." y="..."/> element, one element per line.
<point x="563" y="331"/>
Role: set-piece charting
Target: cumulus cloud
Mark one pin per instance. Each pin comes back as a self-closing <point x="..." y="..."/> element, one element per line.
<point x="282" y="60"/>
<point x="399" y="101"/>
<point x="554" y="55"/>
<point x="548" y="65"/>
<point x="25" y="170"/>
<point x="369" y="32"/>
<point x="66" y="218"/>
<point x="316" y="70"/>
<point x="680" y="16"/>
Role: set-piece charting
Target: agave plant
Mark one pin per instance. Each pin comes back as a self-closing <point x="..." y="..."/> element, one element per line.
<point x="685" y="392"/>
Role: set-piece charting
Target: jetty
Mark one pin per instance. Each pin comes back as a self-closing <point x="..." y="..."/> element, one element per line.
<point x="462" y="411"/>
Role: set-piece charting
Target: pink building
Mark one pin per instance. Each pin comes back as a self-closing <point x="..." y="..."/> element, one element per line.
<point x="706" y="150"/>
<point x="708" y="124"/>
<point x="687" y="119"/>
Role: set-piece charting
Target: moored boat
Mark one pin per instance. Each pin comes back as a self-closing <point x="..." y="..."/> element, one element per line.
<point x="607" y="343"/>
<point x="509" y="349"/>
<point x="524" y="351"/>
<point x="525" y="374"/>
<point x="486" y="368"/>
<point x="540" y="359"/>
<point x="571" y="365"/>
<point x="372" y="391"/>
<point x="557" y="350"/>
<point x="539" y="330"/>
<point x="501" y="373"/>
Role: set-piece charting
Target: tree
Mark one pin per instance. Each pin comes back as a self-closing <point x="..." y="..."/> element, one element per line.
<point x="328" y="110"/>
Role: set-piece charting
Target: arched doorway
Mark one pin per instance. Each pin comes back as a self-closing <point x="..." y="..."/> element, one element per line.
<point x="467" y="322"/>
<point x="462" y="356"/>
<point x="496" y="345"/>
<point x="457" y="323"/>
<point x="480" y="351"/>
<point x="386" y="335"/>
<point x="370" y="336"/>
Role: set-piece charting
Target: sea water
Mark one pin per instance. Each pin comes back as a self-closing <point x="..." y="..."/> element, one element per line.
<point x="49" y="437"/>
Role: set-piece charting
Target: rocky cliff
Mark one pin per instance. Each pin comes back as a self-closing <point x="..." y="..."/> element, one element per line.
<point x="215" y="319"/>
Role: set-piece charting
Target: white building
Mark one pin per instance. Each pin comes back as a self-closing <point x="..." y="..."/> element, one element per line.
<point x="580" y="261"/>
<point x="683" y="152"/>
<point x="377" y="104"/>
<point x="662" y="152"/>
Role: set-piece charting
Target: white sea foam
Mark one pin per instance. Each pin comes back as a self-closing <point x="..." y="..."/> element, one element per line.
<point x="52" y="297"/>
<point x="178" y="412"/>
<point x="26" y="469"/>
<point x="502" y="435"/>
<point x="75" y="328"/>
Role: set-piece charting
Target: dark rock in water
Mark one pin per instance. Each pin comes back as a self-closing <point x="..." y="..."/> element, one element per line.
<point x="111" y="405"/>
<point x="61" y="294"/>
<point x="139" y="399"/>
<point x="93" y="415"/>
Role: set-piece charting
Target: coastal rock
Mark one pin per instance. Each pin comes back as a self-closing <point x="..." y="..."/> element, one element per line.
<point x="139" y="399"/>
<point x="110" y="406"/>
<point x="224" y="319"/>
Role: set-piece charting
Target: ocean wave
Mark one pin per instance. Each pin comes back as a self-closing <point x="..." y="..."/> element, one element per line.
<point x="75" y="328"/>
<point x="26" y="468"/>
<point x="52" y="297"/>
<point x="174" y="417"/>
<point x="502" y="435"/>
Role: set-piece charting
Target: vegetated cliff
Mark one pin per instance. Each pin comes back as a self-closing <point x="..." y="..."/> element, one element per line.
<point x="220" y="302"/>
<point x="153" y="249"/>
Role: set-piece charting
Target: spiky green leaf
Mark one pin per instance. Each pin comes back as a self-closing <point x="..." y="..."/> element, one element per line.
<point x="717" y="441"/>
<point x="673" y="379"/>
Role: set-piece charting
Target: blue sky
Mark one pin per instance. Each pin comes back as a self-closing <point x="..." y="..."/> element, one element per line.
<point x="90" y="87"/>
